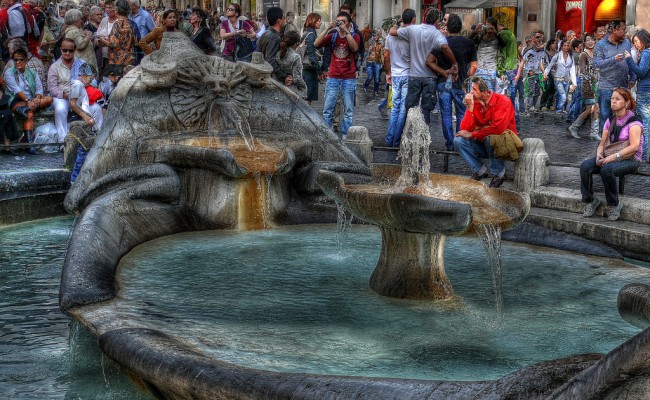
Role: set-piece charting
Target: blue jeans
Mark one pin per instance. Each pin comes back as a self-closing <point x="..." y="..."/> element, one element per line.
<point x="347" y="87"/>
<point x="449" y="98"/>
<point x="608" y="174"/>
<point x="489" y="76"/>
<point x="512" y="90"/>
<point x="423" y="91"/>
<point x="398" y="112"/>
<point x="562" y="88"/>
<point x="643" y="109"/>
<point x="576" y="101"/>
<point x="519" y="88"/>
<point x="79" y="162"/>
<point x="473" y="150"/>
<point x="605" y="104"/>
<point x="373" y="70"/>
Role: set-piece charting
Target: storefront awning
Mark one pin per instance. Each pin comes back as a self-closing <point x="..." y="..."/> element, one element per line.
<point x="467" y="4"/>
<point x="474" y="4"/>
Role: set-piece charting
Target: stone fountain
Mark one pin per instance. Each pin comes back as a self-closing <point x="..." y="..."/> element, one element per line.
<point x="416" y="210"/>
<point x="179" y="151"/>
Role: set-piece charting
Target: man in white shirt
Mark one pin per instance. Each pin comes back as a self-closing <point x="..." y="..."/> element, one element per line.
<point x="422" y="81"/>
<point x="398" y="59"/>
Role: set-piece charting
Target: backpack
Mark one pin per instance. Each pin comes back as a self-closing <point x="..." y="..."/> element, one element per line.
<point x="244" y="47"/>
<point x="302" y="52"/>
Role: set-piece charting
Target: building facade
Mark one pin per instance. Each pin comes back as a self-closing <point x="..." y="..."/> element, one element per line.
<point x="520" y="16"/>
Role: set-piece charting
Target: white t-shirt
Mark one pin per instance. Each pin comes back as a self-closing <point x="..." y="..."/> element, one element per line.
<point x="422" y="39"/>
<point x="78" y="91"/>
<point x="399" y="55"/>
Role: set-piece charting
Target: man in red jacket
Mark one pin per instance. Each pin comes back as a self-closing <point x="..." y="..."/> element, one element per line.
<point x="487" y="114"/>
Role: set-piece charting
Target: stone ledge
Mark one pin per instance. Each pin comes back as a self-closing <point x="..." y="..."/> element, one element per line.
<point x="570" y="200"/>
<point x="630" y="238"/>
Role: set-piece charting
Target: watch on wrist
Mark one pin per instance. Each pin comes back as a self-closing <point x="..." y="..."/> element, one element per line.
<point x="618" y="156"/>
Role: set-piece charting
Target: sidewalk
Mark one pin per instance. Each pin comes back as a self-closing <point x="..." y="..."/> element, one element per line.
<point x="560" y="146"/>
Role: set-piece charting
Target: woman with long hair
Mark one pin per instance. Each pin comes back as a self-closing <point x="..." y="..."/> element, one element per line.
<point x="311" y="65"/>
<point x="589" y="78"/>
<point x="231" y="29"/>
<point x="169" y="24"/>
<point x="200" y="33"/>
<point x="548" y="87"/>
<point x="641" y="42"/>
<point x="626" y="129"/>
<point x="565" y="75"/>
<point x="289" y="61"/>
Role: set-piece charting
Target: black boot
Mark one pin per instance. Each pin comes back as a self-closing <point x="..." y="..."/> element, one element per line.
<point x="22" y="111"/>
<point x="30" y="139"/>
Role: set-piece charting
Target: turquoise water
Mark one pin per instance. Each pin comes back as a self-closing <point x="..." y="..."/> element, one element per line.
<point x="289" y="300"/>
<point x="38" y="357"/>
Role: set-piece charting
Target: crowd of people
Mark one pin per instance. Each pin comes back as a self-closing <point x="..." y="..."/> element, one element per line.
<point x="70" y="56"/>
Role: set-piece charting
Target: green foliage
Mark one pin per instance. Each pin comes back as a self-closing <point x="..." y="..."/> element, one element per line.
<point x="390" y="21"/>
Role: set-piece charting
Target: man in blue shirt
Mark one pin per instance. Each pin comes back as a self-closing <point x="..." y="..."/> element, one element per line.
<point x="609" y="58"/>
<point x="143" y="22"/>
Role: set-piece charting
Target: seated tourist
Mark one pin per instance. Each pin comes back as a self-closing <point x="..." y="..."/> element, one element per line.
<point x="112" y="75"/>
<point x="85" y="119"/>
<point x="487" y="114"/>
<point x="25" y="92"/>
<point x="33" y="63"/>
<point x="59" y="76"/>
<point x="625" y="128"/>
<point x="7" y="131"/>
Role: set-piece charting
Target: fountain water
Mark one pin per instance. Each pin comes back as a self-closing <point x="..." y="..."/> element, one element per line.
<point x="417" y="211"/>
<point x="147" y="178"/>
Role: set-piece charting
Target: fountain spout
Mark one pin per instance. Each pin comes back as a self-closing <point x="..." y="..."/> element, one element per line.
<point x="416" y="210"/>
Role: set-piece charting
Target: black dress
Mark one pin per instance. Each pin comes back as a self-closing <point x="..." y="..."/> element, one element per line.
<point x="203" y="39"/>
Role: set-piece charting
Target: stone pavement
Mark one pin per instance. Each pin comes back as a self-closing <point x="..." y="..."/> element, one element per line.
<point x="560" y="146"/>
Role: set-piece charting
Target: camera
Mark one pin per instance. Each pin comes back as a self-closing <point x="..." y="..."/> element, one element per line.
<point x="339" y="23"/>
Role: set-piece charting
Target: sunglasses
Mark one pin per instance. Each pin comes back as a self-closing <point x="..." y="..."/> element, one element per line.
<point x="19" y="60"/>
<point x="231" y="9"/>
<point x="67" y="50"/>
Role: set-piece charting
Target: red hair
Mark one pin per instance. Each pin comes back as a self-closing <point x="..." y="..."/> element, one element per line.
<point x="311" y="20"/>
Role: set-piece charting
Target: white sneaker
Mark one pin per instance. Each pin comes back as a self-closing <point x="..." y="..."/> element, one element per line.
<point x="615" y="212"/>
<point x="590" y="209"/>
<point x="573" y="131"/>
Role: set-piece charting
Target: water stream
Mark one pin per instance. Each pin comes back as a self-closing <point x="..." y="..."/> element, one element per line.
<point x="414" y="151"/>
<point x="490" y="235"/>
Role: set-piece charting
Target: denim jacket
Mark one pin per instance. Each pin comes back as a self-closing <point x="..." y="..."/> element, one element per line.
<point x="642" y="71"/>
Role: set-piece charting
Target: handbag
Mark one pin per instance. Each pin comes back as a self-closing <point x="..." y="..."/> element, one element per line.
<point x="614" y="148"/>
<point x="304" y="57"/>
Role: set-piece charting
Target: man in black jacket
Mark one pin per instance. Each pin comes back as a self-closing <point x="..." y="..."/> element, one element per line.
<point x="269" y="43"/>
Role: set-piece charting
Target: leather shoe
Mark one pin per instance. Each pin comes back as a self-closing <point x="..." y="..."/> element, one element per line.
<point x="497" y="181"/>
<point x="478" y="177"/>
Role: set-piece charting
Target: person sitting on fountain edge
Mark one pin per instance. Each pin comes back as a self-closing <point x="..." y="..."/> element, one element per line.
<point x="494" y="114"/>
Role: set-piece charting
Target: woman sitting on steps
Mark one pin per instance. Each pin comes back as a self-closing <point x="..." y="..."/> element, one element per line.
<point x="625" y="128"/>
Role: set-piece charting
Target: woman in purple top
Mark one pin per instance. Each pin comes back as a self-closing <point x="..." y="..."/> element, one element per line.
<point x="231" y="27"/>
<point x="622" y="126"/>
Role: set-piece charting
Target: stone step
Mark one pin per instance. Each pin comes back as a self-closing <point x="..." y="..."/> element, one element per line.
<point x="561" y="199"/>
<point x="630" y="238"/>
